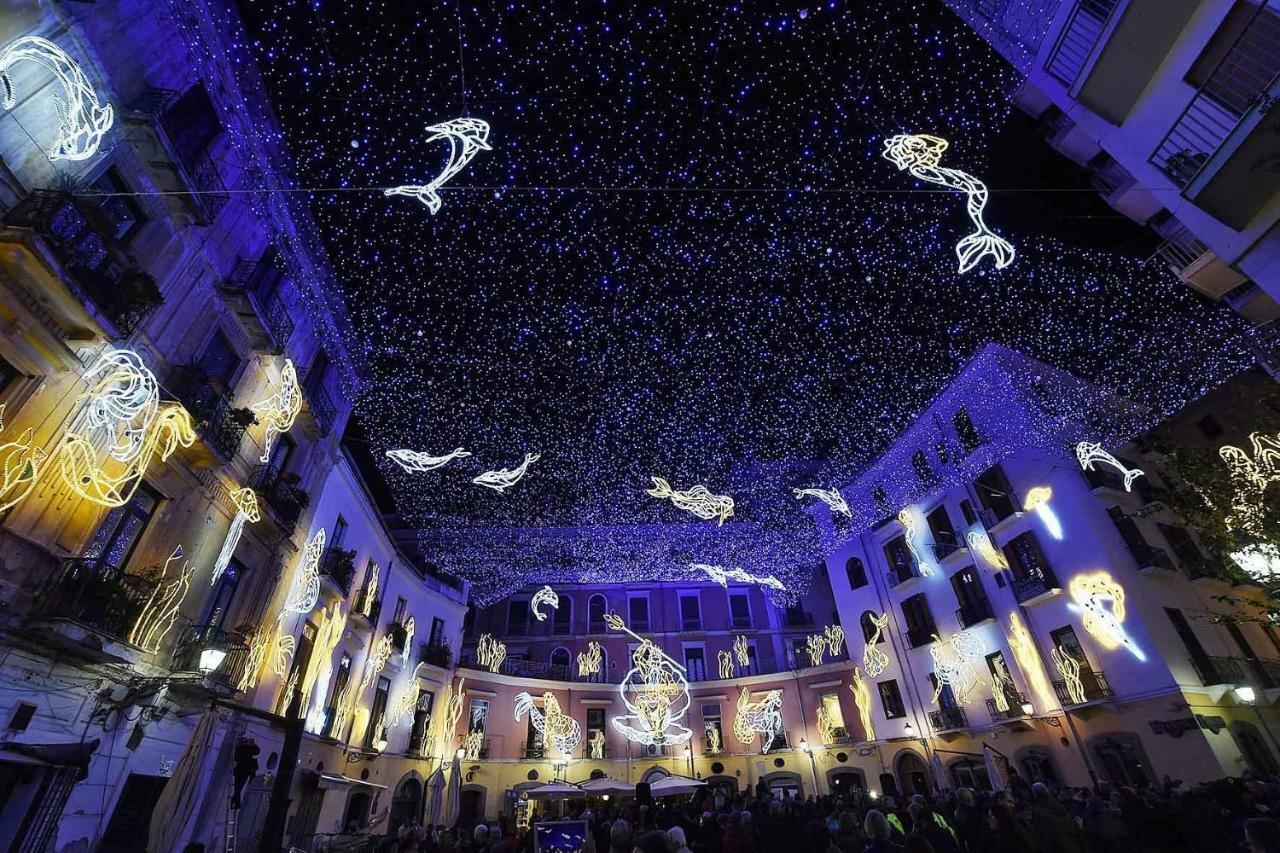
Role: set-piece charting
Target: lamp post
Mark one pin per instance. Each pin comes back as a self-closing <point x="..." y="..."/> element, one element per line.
<point x="813" y="764"/>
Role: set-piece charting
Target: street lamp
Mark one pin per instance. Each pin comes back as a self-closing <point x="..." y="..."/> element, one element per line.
<point x="813" y="764"/>
<point x="1246" y="694"/>
<point x="210" y="659"/>
<point x="460" y="754"/>
<point x="1028" y="709"/>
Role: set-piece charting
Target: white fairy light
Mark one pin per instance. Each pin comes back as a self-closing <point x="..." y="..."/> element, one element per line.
<point x="920" y="154"/>
<point x="246" y="501"/>
<point x="875" y="661"/>
<point x="725" y="661"/>
<point x="305" y="590"/>
<point x="504" y="478"/>
<point x="409" y="627"/>
<point x="417" y="462"/>
<point x="826" y="726"/>
<point x="1251" y="476"/>
<point x="83" y="120"/>
<point x="161" y="610"/>
<point x="817" y="647"/>
<point x="722" y="576"/>
<point x="740" y="651"/>
<point x="862" y="699"/>
<point x="698" y="500"/>
<point x="259" y="644"/>
<point x="453" y="711"/>
<point x="314" y="686"/>
<point x="919" y="539"/>
<point x="1002" y="685"/>
<point x="835" y="639"/>
<point x="954" y="663"/>
<point x="1090" y="453"/>
<point x="1025" y="653"/>
<point x="281" y="409"/>
<point x="1038" y="502"/>
<point x="831" y="497"/>
<point x="1100" y="601"/>
<point x="283" y="653"/>
<point x="654" y="690"/>
<point x="979" y="541"/>
<point x="467" y="137"/>
<point x="763" y="718"/>
<point x="714" y="741"/>
<point x="558" y="729"/>
<point x="407" y="701"/>
<point x="546" y="596"/>
<point x="590" y="660"/>
<point x="1069" y="669"/>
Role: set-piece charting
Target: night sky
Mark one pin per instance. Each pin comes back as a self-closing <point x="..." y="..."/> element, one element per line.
<point x="684" y="255"/>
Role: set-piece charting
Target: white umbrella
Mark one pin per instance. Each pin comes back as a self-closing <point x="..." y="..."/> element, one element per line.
<point x="555" y="791"/>
<point x="939" y="774"/>
<point x="993" y="770"/>
<point x="453" y="799"/>
<point x="669" y="786"/>
<point x="178" y="799"/>
<point x="435" y="801"/>
<point x="606" y="785"/>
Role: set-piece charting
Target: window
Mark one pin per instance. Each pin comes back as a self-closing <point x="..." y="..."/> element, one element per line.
<point x="945" y="541"/>
<point x="997" y="663"/>
<point x="995" y="493"/>
<point x="562" y="618"/>
<point x="534" y="747"/>
<point x="339" y="685"/>
<point x="191" y="124"/>
<point x="219" y="605"/>
<point x="711" y="721"/>
<point x="857" y="573"/>
<point x="868" y="627"/>
<point x="1066" y="639"/>
<point x="1200" y="660"/>
<point x="891" y="699"/>
<point x="918" y="619"/>
<point x="695" y="663"/>
<point x="638" y="610"/>
<point x="921" y="465"/>
<point x="421" y="722"/>
<point x="753" y="663"/>
<point x="690" y="613"/>
<point x="436" y="637"/>
<point x="831" y="705"/>
<point x="595" y="614"/>
<point x="946" y="696"/>
<point x="1209" y="427"/>
<point x="971" y="597"/>
<point x="560" y="663"/>
<point x="478" y="716"/>
<point x="219" y="361"/>
<point x="301" y="661"/>
<point x="282" y="454"/>
<point x="966" y="509"/>
<point x="1184" y="547"/>
<point x="1122" y="761"/>
<point x="595" y="723"/>
<point x="339" y="532"/>
<point x="378" y="710"/>
<point x="1027" y="562"/>
<point x="119" y="206"/>
<point x="799" y="652"/>
<point x="899" y="559"/>
<point x="517" y="616"/>
<point x="469" y="621"/>
<point x="966" y="431"/>
<point x="740" y="609"/>
<point x="117" y="536"/>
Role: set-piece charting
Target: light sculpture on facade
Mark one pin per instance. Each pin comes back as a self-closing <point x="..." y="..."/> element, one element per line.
<point x="1002" y="686"/>
<point x="305" y="590"/>
<point x="246" y="501"/>
<point x="330" y="625"/>
<point x="597" y="745"/>
<point x="826" y="726"/>
<point x="1023" y="646"/>
<point x="918" y="543"/>
<point x="259" y="644"/>
<point x="453" y="711"/>
<point x="473" y="745"/>
<point x="862" y="699"/>
<point x="979" y="541"/>
<point x="725" y="661"/>
<point x="1069" y="669"/>
<point x="741" y="651"/>
<point x="504" y="478"/>
<point x="714" y="742"/>
<point x="831" y="497"/>
<point x="280" y="410"/>
<point x="1100" y="602"/>
<point x="697" y="500"/>
<point x="920" y="155"/>
<point x="722" y="576"/>
<point x="557" y="728"/>
<point x="82" y="118"/>
<point x="374" y="665"/>
<point x="1251" y="475"/>
<point x="20" y="465"/>
<point x="875" y="661"/>
<point x="419" y="462"/>
<point x="1090" y="453"/>
<point x="546" y="596"/>
<point x="816" y="644"/>
<point x="467" y="137"/>
<point x="407" y="701"/>
<point x="654" y="691"/>
<point x="283" y="649"/>
<point x="835" y="639"/>
<point x="161" y="610"/>
<point x="369" y="601"/>
<point x="763" y="718"/>
<point x="491" y="652"/>
<point x="954" y="664"/>
<point x="590" y="660"/>
<point x="1038" y="502"/>
<point x="409" y="628"/>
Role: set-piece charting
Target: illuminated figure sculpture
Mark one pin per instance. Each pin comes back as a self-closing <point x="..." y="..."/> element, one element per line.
<point x="491" y="652"/>
<point x="122" y="412"/>
<point x="20" y="467"/>
<point x="597" y="745"/>
<point x="698" y="500"/>
<point x="1100" y="602"/>
<point x="817" y="647"/>
<point x="654" y="691"/>
<point x="920" y="155"/>
<point x="1090" y="453"/>
<point x="875" y="661"/>
<point x="305" y="590"/>
<point x="161" y="610"/>
<point x="504" y="478"/>
<point x="835" y="639"/>
<point x="259" y="644"/>
<point x="406" y="702"/>
<point x="1002" y="686"/>
<point x="1038" y="502"/>
<point x="416" y="462"/>
<point x="407" y="649"/>
<point x="954" y="664"/>
<point x="546" y="596"/>
<point x="831" y="497"/>
<point x="82" y="118"/>
<point x="280" y="410"/>
<point x="590" y="660"/>
<point x="725" y="661"/>
<point x="715" y="743"/>
<point x="1251" y="475"/>
<point x="762" y="718"/>
<point x="1025" y="653"/>
<point x="246" y="501"/>
<point x="741" y="651"/>
<point x="473" y="745"/>
<point x="1069" y="669"/>
<point x="915" y="533"/>
<point x="862" y="699"/>
<point x="330" y="625"/>
<point x="347" y="700"/>
<point x="557" y="728"/>
<point x="826" y="727"/>
<point x="979" y="541"/>
<point x="283" y="649"/>
<point x="467" y="137"/>
<point x="722" y="576"/>
<point x="453" y="711"/>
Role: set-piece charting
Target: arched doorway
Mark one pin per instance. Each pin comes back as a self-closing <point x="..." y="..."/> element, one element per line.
<point x="1037" y="766"/>
<point x="406" y="805"/>
<point x="356" y="815"/>
<point x="471" y="810"/>
<point x="844" y="780"/>
<point x="1257" y="755"/>
<point x="722" y="786"/>
<point x="912" y="773"/>
<point x="653" y="774"/>
<point x="784" y="785"/>
<point x="1122" y="759"/>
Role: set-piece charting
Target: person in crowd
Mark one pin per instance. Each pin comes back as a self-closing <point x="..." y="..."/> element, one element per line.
<point x="676" y="841"/>
<point x="878" y="830"/>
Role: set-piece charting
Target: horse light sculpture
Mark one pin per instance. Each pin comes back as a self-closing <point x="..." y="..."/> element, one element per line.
<point x="762" y="718"/>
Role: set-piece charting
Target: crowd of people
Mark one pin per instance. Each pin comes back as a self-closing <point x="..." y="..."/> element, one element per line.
<point x="1233" y="814"/>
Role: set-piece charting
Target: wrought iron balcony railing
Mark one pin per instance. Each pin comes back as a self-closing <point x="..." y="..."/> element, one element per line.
<point x="322" y="408"/>
<point x="339" y="565"/>
<point x="948" y="719"/>
<point x="220" y="423"/>
<point x="1028" y="587"/>
<point x="102" y="598"/>
<point x="284" y="500"/>
<point x="253" y="285"/>
<point x="920" y="636"/>
<point x="797" y="618"/>
<point x="197" y="639"/>
<point x="524" y="668"/>
<point x="973" y="613"/>
<point x="368" y="605"/>
<point x="436" y="654"/>
<point x="1076" y="39"/>
<point x="1093" y="685"/>
<point x="1013" y="700"/>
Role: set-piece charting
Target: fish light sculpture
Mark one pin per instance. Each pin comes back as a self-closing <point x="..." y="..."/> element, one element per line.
<point x="467" y="137"/>
<point x="546" y="596"/>
<point x="1090" y="453"/>
<point x="418" y="462"/>
<point x="82" y="118"/>
<point x="698" y="500"/>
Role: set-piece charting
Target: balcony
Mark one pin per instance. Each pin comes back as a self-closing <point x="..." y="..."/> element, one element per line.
<point x="104" y="600"/>
<point x="1013" y="712"/>
<point x="945" y="544"/>
<point x="436" y="654"/>
<point x="1217" y="670"/>
<point x="896" y="578"/>
<point x="321" y="406"/>
<point x="367" y="608"/>
<point x="1197" y="266"/>
<point x="921" y="636"/>
<point x="197" y="639"/>
<point x="1034" y="586"/>
<point x="523" y="668"/>
<point x="968" y="615"/>
<point x="399" y="635"/>
<point x="797" y="619"/>
<point x="948" y="719"/>
<point x="533" y="750"/>
<point x="189" y="179"/>
<point x="1094" y="685"/>
<point x="221" y="425"/>
<point x="285" y="501"/>
<point x="1150" y="559"/>
<point x="100" y="274"/>
<point x="339" y="566"/>
<point x="251" y="292"/>
<point x="1076" y="39"/>
<point x="741" y="622"/>
<point x="1218" y="149"/>
<point x="685" y="625"/>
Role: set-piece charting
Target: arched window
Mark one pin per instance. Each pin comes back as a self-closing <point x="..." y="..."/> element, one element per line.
<point x="856" y="572"/>
<point x="1254" y="749"/>
<point x="560" y="663"/>
<point x="869" y="628"/>
<point x="1122" y="759"/>
<point x="1037" y="766"/>
<point x="562" y="616"/>
<point x="595" y="614"/>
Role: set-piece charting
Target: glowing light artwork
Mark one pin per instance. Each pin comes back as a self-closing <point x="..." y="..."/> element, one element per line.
<point x="369" y="601"/>
<point x="831" y="497"/>
<point x="402" y="709"/>
<point x="473" y="745"/>
<point x="920" y="156"/>
<point x="305" y="590"/>
<point x="1251" y="476"/>
<point x="1069" y="669"/>
<point x="409" y="627"/>
<point x="835" y="639"/>
<point x="259" y="644"/>
<point x="654" y="691"/>
<point x="1038" y="502"/>
<point x="954" y="664"/>
<point x="826" y="726"/>
<point x="1090" y="453"/>
<point x="467" y="137"/>
<point x="20" y="465"/>
<point x="589" y="661"/>
<point x="282" y="649"/>
<point x="314" y="686"/>
<point x="1100" y="601"/>
<point x="121" y="411"/>
<point x="722" y="576"/>
<point x="453" y="710"/>
<point x="862" y="700"/>
<point x="1002" y="686"/>
<point x="280" y="410"/>
<point x="763" y="718"/>
<point x="558" y="729"/>
<point x="816" y="644"/>
<point x="504" y="478"/>
<point x="417" y="462"/>
<point x="83" y="119"/>
<point x="919" y="540"/>
<point x="546" y="596"/>
<point x="715" y="743"/>
<point x="697" y="500"/>
<point x="991" y="555"/>
<point x="491" y="652"/>
<point x="376" y="662"/>
<point x="597" y="745"/>
<point x="161" y="610"/>
<point x="1025" y="653"/>
<point x="246" y="501"/>
<point x="875" y="661"/>
<point x="724" y="660"/>
<point x="741" y="650"/>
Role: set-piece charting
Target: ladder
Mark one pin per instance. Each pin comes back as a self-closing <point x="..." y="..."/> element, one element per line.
<point x="233" y="821"/>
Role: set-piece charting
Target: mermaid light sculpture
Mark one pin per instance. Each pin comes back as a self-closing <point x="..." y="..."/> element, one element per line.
<point x="654" y="691"/>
